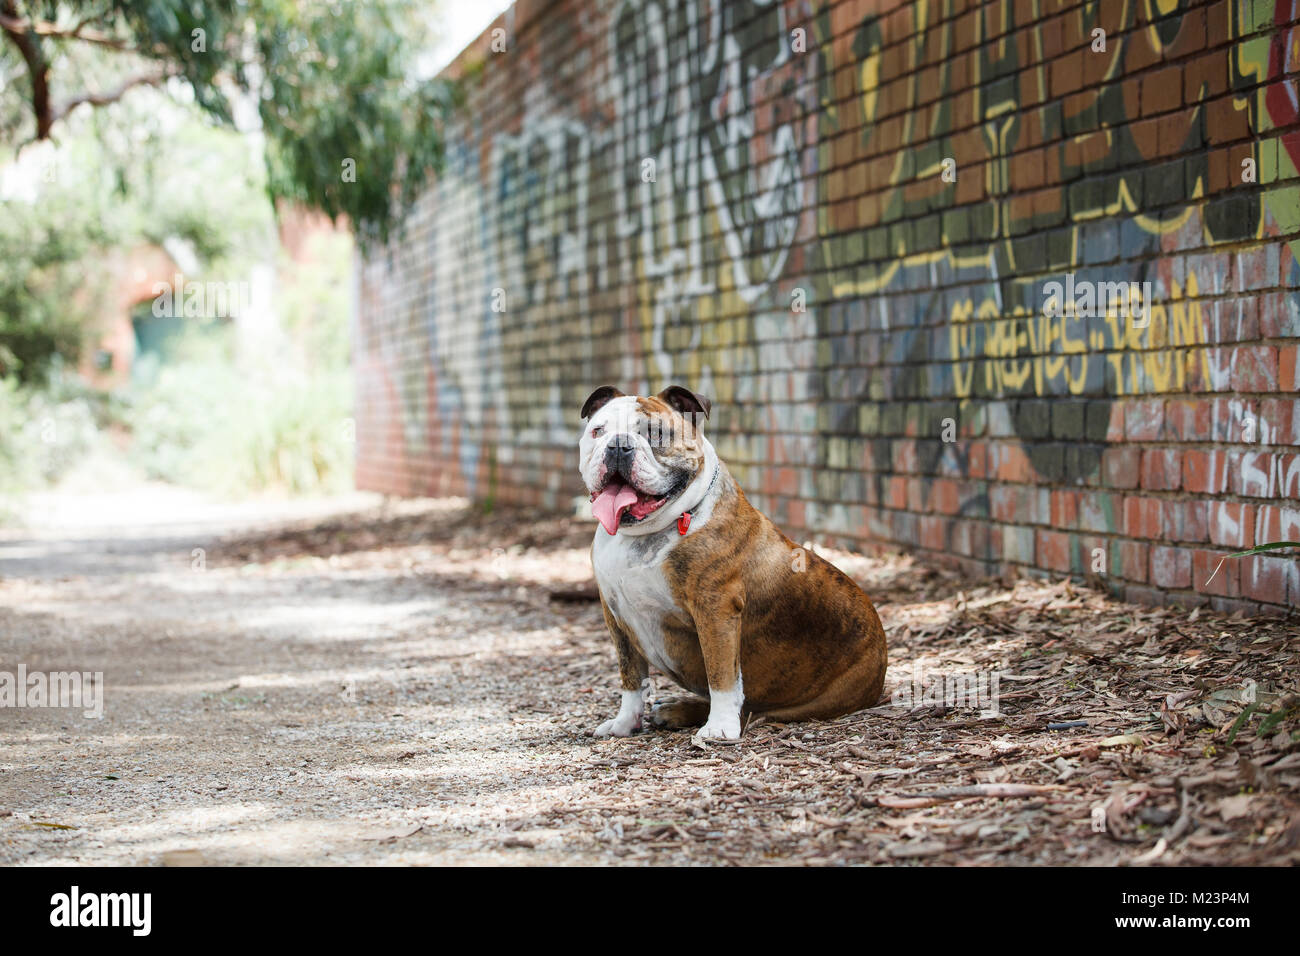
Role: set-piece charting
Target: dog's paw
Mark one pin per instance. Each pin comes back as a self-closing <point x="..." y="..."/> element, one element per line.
<point x="619" y="726"/>
<point x="679" y="713"/>
<point x="721" y="728"/>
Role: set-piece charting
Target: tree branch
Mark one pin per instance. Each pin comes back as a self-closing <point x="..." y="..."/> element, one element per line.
<point x="112" y="96"/>
<point x="11" y="23"/>
<point x="29" y="45"/>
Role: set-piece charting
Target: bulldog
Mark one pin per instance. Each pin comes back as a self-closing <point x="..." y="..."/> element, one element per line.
<point x="695" y="581"/>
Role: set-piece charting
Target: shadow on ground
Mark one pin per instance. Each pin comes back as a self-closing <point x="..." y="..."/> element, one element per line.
<point x="412" y="682"/>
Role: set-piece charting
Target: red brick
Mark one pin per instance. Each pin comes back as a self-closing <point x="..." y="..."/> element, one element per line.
<point x="1288" y="368"/>
<point x="1278" y="422"/>
<point x="1185" y="520"/>
<point x="1250" y="474"/>
<point x="1265" y="577"/>
<point x="915" y="495"/>
<point x="934" y="533"/>
<point x="1012" y="464"/>
<point x="1224" y="583"/>
<point x="1286" y="471"/>
<point x="945" y="498"/>
<point x="1091" y="548"/>
<point x="1121" y="466"/>
<point x="1171" y="567"/>
<point x="1188" y="420"/>
<point x="1205" y="472"/>
<point x="1254" y="368"/>
<point x="896" y="496"/>
<point x="1232" y="524"/>
<point x="1143" y="518"/>
<point x="1012" y="504"/>
<point x="1235" y="419"/>
<point x="1099" y="511"/>
<point x="1162" y="90"/>
<point x="1144" y="420"/>
<point x="1161" y="469"/>
<point x="1115" y="424"/>
<point x="969" y="538"/>
<point x="784" y="481"/>
<point x="904" y="452"/>
<point x="1134" y="560"/>
<point x="1053" y="550"/>
<point x="1277" y="524"/>
<point x="1064" y="509"/>
<point x="1252" y="268"/>
<point x="1274" y="316"/>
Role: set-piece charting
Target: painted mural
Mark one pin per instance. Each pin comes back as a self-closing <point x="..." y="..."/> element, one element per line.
<point x="840" y="219"/>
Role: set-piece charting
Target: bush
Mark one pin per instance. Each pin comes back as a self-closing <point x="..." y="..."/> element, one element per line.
<point x="201" y="422"/>
<point x="45" y="431"/>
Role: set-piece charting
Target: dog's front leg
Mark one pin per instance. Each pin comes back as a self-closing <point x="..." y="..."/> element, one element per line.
<point x="633" y="671"/>
<point x="720" y="646"/>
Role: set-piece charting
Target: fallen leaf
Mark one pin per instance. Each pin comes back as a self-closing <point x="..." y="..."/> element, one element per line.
<point x="1230" y="808"/>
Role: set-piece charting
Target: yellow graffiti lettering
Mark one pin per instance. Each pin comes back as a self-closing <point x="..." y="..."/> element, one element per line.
<point x="961" y="342"/>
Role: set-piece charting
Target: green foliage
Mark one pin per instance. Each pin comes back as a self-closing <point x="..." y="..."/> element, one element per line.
<point x="317" y="303"/>
<point x="44" y="431"/>
<point x="55" y="240"/>
<point x="333" y="82"/>
<point x="340" y="87"/>
<point x="202" y="422"/>
<point x="288" y="436"/>
<point x="245" y="420"/>
<point x="42" y="249"/>
<point x="30" y="337"/>
<point x="156" y="159"/>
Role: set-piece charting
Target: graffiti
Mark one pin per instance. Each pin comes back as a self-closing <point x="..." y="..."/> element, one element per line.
<point x="540" y="182"/>
<point x="655" y="184"/>
<point x="1045" y="353"/>
<point x="1030" y="159"/>
<point x="708" y="153"/>
<point x="694" y="85"/>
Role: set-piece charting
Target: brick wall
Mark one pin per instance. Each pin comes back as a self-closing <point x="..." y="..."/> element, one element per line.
<point x="842" y="221"/>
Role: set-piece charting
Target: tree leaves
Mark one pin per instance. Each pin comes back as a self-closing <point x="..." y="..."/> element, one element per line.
<point x="330" y="83"/>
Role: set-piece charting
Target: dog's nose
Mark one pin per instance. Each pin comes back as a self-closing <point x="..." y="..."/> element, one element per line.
<point x="619" y="454"/>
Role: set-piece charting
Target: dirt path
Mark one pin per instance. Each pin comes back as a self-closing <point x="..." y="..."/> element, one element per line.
<point x="354" y="682"/>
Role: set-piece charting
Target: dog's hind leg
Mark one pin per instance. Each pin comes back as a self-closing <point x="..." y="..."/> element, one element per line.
<point x="679" y="712"/>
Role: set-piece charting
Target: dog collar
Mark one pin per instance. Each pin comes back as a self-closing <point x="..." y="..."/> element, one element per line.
<point x="684" y="522"/>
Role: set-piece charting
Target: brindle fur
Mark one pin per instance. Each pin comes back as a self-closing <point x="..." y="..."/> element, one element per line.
<point x="804" y="638"/>
<point x="810" y="642"/>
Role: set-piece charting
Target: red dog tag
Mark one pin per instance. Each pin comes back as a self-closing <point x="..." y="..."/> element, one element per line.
<point x="684" y="522"/>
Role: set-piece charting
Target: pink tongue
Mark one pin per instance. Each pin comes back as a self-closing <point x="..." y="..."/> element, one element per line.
<point x="611" y="503"/>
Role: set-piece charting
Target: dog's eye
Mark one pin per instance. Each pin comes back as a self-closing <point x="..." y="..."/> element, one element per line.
<point x="598" y="431"/>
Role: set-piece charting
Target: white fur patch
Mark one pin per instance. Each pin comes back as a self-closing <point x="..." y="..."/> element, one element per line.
<point x="724" y="712"/>
<point x="633" y="585"/>
<point x="629" y="716"/>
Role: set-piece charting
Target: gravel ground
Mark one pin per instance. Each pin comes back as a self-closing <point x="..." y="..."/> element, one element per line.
<point x="357" y="681"/>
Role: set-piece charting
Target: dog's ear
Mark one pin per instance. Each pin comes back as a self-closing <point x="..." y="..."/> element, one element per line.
<point x="598" y="398"/>
<point x="685" y="401"/>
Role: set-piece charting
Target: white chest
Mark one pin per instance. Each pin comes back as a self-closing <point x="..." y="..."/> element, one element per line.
<point x="631" y="579"/>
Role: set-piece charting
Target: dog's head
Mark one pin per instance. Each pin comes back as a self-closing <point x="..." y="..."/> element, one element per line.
<point x="637" y="455"/>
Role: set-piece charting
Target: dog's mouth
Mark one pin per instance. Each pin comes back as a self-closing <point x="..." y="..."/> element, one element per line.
<point x="621" y="502"/>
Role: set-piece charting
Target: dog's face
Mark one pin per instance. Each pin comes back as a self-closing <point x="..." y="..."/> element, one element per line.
<point x="637" y="455"/>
